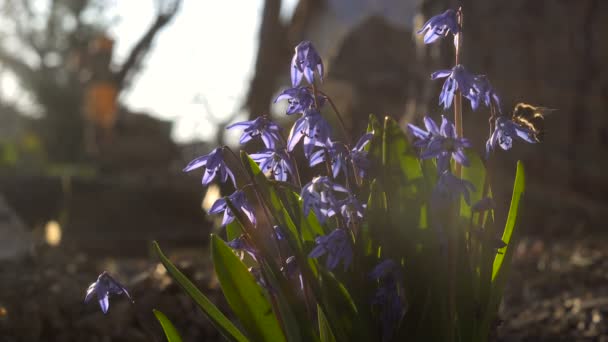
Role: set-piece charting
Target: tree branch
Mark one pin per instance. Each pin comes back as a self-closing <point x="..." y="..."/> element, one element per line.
<point x="133" y="62"/>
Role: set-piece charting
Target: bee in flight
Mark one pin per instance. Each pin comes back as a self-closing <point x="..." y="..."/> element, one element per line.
<point x="532" y="118"/>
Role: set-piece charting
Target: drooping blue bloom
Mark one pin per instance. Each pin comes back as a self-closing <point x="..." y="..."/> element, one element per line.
<point x="388" y="299"/>
<point x="383" y="269"/>
<point x="449" y="188"/>
<point x="261" y="127"/>
<point x="439" y="26"/>
<point x="442" y="143"/>
<point x="358" y="155"/>
<point x="505" y="131"/>
<point x="313" y="128"/>
<point x="275" y="161"/>
<point x="239" y="201"/>
<point x="391" y="308"/>
<point x="240" y="244"/>
<point x="338" y="156"/>
<point x="424" y="137"/>
<point x="257" y="274"/>
<point x="352" y="209"/>
<point x="483" y="204"/>
<point x="304" y="63"/>
<point x="214" y="164"/>
<point x="291" y="271"/>
<point x="458" y="78"/>
<point x="300" y="99"/>
<point x="103" y="288"/>
<point x="484" y="93"/>
<point x="278" y="232"/>
<point x="319" y="195"/>
<point x="337" y="246"/>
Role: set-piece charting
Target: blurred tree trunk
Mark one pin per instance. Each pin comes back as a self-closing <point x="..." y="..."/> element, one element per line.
<point x="272" y="50"/>
<point x="67" y="68"/>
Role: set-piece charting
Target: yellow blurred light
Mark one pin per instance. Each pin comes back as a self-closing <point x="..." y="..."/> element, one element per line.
<point x="213" y="194"/>
<point x="52" y="233"/>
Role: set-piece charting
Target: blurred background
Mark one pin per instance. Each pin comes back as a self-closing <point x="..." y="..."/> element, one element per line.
<point x="102" y="103"/>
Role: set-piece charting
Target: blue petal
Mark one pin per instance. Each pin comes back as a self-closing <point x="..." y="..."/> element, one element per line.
<point x="317" y="157"/>
<point x="441" y="74"/>
<point x="296" y="133"/>
<point x="196" y="163"/>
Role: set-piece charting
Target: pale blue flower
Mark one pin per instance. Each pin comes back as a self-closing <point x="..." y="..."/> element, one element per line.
<point x="239" y="201"/>
<point x="300" y="99"/>
<point x="275" y="161"/>
<point x="458" y="78"/>
<point x="262" y="127"/>
<point x="103" y="288"/>
<point x="337" y="246"/>
<point x="214" y="166"/>
<point x="441" y="143"/>
<point x="439" y="26"/>
<point x="320" y="196"/>
<point x="505" y="131"/>
<point x="313" y="129"/>
<point x="305" y="62"/>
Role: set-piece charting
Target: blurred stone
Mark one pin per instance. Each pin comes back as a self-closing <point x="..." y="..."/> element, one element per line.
<point x="15" y="241"/>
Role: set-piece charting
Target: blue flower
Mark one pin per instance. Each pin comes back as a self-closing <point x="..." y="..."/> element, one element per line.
<point x="484" y="93"/>
<point x="424" y="137"/>
<point x="300" y="99"/>
<point x="439" y="26"/>
<point x="319" y="195"/>
<point x="483" y="204"/>
<point x="457" y="78"/>
<point x="313" y="128"/>
<point x="276" y="162"/>
<point x="338" y="156"/>
<point x="291" y="271"/>
<point x="337" y="246"/>
<point x="384" y="269"/>
<point x="102" y="288"/>
<point x="261" y="127"/>
<point x="214" y="164"/>
<point x="240" y="244"/>
<point x="358" y="155"/>
<point x="304" y="63"/>
<point x="278" y="232"/>
<point x="387" y="298"/>
<point x="504" y="133"/>
<point x="239" y="201"/>
<point x="448" y="190"/>
<point x="391" y="306"/>
<point x="352" y="209"/>
<point x="442" y="143"/>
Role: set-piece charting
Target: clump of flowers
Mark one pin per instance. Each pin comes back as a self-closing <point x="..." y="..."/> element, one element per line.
<point x="392" y="239"/>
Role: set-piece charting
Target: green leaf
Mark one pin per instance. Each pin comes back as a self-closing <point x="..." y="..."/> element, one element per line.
<point x="476" y="174"/>
<point x="245" y="296"/>
<point x="501" y="266"/>
<point x="219" y="321"/>
<point x="505" y="252"/>
<point x="233" y="230"/>
<point x="324" y="329"/>
<point x="168" y="328"/>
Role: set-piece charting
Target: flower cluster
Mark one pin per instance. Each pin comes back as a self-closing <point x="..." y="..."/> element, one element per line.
<point x="324" y="195"/>
<point x="345" y="236"/>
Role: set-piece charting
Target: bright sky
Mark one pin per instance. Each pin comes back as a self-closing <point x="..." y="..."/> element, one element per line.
<point x="208" y="50"/>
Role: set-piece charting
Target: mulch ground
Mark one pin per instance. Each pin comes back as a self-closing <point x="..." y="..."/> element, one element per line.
<point x="558" y="291"/>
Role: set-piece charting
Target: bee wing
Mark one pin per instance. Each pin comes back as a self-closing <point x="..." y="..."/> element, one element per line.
<point x="542" y="111"/>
